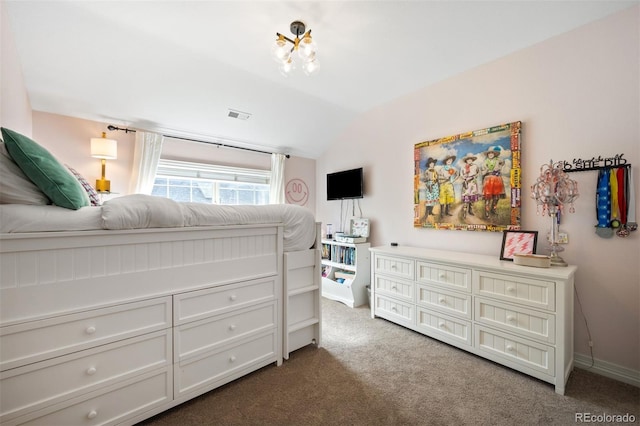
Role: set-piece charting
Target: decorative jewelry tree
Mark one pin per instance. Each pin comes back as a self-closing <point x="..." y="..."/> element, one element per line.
<point x="552" y="190"/>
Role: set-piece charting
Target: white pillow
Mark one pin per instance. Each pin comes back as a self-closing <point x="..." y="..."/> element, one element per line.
<point x="15" y="186"/>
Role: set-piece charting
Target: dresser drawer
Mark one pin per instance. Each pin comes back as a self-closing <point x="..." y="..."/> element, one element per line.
<point x="110" y="405"/>
<point x="444" y="327"/>
<point x="394" y="287"/>
<point x="515" y="351"/>
<point x="196" y="305"/>
<point x="516" y="319"/>
<point x="526" y="291"/>
<point x="445" y="301"/>
<point x="48" y="382"/>
<point x="399" y="312"/>
<point x="395" y="266"/>
<point x="214" y="367"/>
<point x="444" y="275"/>
<point x="35" y="341"/>
<point x="204" y="335"/>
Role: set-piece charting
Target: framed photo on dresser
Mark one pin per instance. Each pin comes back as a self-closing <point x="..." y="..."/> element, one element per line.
<point x="518" y="242"/>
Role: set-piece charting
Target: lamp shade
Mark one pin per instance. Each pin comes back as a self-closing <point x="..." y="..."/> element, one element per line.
<point x="104" y="148"/>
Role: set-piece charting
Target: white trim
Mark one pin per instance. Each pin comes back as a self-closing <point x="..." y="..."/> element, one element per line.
<point x="608" y="369"/>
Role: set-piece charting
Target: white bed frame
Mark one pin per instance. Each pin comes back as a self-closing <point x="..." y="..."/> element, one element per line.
<point x="113" y="327"/>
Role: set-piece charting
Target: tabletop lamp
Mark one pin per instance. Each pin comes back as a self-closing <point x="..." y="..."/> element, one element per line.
<point x="552" y="191"/>
<point x="105" y="149"/>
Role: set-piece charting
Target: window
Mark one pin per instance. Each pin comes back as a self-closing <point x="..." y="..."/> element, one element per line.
<point x="207" y="183"/>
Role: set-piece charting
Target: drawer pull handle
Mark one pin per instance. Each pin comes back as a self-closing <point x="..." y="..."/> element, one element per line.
<point x="511" y="289"/>
<point x="510" y="348"/>
<point x="92" y="414"/>
<point x="91" y="371"/>
<point x="233" y="297"/>
<point x="441" y="324"/>
<point x="394" y="267"/>
<point x="232" y="327"/>
<point x="442" y="276"/>
<point x="511" y="318"/>
<point x="393" y="287"/>
<point x="393" y="308"/>
<point x="90" y="330"/>
<point x="441" y="300"/>
<point x="232" y="358"/>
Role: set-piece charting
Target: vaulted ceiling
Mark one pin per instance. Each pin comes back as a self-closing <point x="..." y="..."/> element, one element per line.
<point x="178" y="66"/>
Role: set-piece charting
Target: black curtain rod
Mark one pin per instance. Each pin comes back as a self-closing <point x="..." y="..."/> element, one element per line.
<point x="111" y="128"/>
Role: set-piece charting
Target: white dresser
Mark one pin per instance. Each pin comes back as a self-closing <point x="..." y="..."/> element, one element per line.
<point x="518" y="316"/>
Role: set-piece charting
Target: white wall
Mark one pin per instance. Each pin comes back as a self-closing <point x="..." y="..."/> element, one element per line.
<point x="578" y="97"/>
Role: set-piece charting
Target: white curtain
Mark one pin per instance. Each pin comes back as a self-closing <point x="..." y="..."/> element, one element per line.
<point x="146" y="155"/>
<point x="276" y="192"/>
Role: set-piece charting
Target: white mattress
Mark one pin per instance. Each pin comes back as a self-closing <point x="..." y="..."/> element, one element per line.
<point x="144" y="211"/>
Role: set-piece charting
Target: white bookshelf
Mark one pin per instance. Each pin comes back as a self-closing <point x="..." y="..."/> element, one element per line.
<point x="348" y="262"/>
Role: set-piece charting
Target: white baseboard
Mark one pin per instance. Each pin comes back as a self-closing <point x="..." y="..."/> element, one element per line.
<point x="607" y="369"/>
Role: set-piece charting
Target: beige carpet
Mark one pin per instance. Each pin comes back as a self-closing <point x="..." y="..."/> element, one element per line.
<point x="373" y="372"/>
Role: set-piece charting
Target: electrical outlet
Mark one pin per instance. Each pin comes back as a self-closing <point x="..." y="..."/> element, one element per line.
<point x="590" y="343"/>
<point x="563" y="237"/>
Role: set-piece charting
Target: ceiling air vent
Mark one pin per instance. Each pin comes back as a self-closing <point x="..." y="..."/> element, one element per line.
<point x="238" y="114"/>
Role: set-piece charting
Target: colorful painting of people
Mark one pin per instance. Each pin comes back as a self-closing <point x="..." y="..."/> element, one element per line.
<point x="429" y="190"/>
<point x="492" y="184"/>
<point x="470" y="193"/>
<point x="469" y="181"/>
<point x="447" y="175"/>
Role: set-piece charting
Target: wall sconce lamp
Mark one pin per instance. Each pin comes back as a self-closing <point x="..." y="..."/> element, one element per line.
<point x="105" y="149"/>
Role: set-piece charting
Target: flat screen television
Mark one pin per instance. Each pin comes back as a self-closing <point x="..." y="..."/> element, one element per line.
<point x="345" y="184"/>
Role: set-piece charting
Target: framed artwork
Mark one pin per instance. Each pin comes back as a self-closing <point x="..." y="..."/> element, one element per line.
<point x="470" y="181"/>
<point x="518" y="242"/>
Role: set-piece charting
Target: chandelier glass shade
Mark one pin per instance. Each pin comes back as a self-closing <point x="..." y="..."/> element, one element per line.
<point x="284" y="48"/>
<point x="552" y="191"/>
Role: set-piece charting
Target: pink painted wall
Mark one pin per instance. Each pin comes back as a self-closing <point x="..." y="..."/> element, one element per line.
<point x="578" y="97"/>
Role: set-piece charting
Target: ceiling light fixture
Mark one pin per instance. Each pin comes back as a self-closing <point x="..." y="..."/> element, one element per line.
<point x="306" y="48"/>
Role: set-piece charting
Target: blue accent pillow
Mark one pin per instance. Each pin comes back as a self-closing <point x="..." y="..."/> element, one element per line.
<point x="45" y="171"/>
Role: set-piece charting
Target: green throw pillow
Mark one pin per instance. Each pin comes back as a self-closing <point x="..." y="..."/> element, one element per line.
<point x="44" y="171"/>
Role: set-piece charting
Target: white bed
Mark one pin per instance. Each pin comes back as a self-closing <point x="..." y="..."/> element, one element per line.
<point x="128" y="309"/>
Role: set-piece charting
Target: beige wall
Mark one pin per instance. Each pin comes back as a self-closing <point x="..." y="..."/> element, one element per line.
<point x="15" y="109"/>
<point x="578" y="97"/>
<point x="68" y="139"/>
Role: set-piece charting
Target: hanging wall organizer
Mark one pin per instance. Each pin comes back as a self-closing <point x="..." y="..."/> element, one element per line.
<point x="615" y="195"/>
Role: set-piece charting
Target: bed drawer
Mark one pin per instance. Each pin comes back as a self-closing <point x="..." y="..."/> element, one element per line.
<point x="110" y="405"/>
<point x="214" y="368"/>
<point x="48" y="382"/>
<point x="205" y="335"/>
<point x="35" y="341"/>
<point x="444" y="275"/>
<point x="200" y="304"/>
